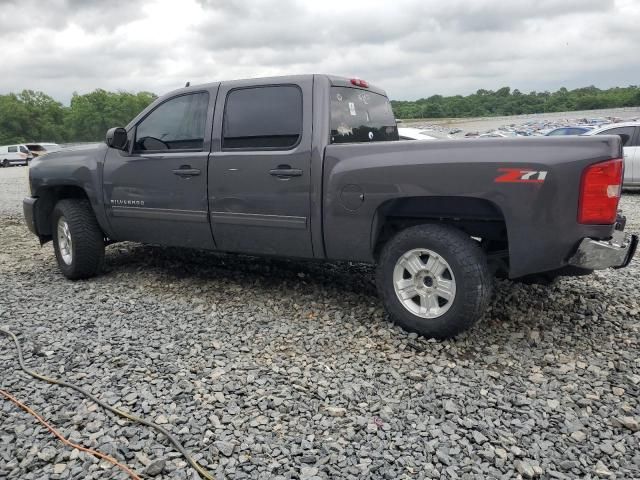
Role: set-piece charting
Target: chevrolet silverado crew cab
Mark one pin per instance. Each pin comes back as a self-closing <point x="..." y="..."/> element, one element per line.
<point x="311" y="167"/>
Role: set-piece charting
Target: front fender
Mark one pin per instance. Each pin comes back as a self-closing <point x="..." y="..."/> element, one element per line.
<point x="75" y="169"/>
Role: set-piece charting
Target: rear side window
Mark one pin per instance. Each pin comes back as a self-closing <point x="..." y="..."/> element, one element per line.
<point x="358" y="115"/>
<point x="177" y="124"/>
<point x="263" y="118"/>
<point x="13" y="149"/>
<point x="626" y="134"/>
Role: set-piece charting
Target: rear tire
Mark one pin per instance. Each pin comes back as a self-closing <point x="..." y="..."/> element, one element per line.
<point x="5" y="163"/>
<point x="78" y="241"/>
<point x="446" y="270"/>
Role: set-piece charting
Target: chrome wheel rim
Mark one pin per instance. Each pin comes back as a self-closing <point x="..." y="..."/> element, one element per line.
<point x="424" y="283"/>
<point x="65" y="244"/>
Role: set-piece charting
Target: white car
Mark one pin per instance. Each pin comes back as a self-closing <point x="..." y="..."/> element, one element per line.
<point x="414" y="134"/>
<point x="14" y="155"/>
<point x="630" y="134"/>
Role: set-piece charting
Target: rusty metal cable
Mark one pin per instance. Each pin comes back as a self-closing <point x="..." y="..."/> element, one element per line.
<point x="48" y="426"/>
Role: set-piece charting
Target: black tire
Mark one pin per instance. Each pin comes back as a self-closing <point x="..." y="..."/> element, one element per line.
<point x="468" y="264"/>
<point x="5" y="163"/>
<point x="87" y="239"/>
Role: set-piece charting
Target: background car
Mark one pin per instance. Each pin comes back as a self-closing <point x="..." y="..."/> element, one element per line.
<point x="39" y="149"/>
<point x="575" y="130"/>
<point x="414" y="134"/>
<point x="494" y="134"/>
<point x="14" y="155"/>
<point x="630" y="134"/>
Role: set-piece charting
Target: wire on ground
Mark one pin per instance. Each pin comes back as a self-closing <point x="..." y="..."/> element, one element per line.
<point x="176" y="443"/>
<point x="66" y="441"/>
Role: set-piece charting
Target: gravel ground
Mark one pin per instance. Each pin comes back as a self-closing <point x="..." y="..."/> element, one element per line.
<point x="282" y="369"/>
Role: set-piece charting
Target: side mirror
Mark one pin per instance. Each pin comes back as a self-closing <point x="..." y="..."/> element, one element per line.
<point x="117" y="138"/>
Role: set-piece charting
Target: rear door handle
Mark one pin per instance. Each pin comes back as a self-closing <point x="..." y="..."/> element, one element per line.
<point x="186" y="171"/>
<point x="285" y="171"/>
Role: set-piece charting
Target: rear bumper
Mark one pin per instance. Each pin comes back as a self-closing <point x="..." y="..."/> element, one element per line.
<point x="29" y="208"/>
<point x="599" y="254"/>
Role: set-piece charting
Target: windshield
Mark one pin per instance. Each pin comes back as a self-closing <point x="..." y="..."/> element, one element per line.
<point x="361" y="116"/>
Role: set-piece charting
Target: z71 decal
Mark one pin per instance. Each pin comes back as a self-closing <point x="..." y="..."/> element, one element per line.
<point x="518" y="175"/>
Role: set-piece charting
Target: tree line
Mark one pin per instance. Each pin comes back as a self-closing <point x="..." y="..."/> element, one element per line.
<point x="32" y="116"/>
<point x="487" y="103"/>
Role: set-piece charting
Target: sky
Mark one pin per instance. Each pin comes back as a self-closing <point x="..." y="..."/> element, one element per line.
<point x="412" y="49"/>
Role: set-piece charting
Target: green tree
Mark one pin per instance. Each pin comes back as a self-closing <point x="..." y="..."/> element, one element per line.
<point x="30" y="116"/>
<point x="505" y="101"/>
<point x="36" y="117"/>
<point x="92" y="114"/>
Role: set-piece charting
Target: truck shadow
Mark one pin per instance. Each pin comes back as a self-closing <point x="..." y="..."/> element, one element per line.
<point x="565" y="307"/>
<point x="176" y="264"/>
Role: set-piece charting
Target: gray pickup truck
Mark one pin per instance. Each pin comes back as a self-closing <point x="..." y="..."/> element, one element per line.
<point x="311" y="167"/>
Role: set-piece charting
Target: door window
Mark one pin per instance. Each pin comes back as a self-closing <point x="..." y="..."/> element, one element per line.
<point x="558" y="132"/>
<point x="626" y="134"/>
<point x="177" y="124"/>
<point x="262" y="118"/>
<point x="13" y="149"/>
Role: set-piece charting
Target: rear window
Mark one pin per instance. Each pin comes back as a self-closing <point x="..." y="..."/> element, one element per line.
<point x="358" y="115"/>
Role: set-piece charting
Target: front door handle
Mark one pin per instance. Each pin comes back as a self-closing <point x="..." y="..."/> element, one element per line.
<point x="285" y="171"/>
<point x="186" y="171"/>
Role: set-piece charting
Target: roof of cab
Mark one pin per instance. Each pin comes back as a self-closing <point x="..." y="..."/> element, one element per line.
<point x="334" y="80"/>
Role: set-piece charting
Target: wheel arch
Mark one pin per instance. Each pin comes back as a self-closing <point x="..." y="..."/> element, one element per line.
<point x="48" y="197"/>
<point x="477" y="217"/>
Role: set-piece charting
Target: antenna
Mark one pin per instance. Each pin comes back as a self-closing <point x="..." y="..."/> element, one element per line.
<point x="187" y="84"/>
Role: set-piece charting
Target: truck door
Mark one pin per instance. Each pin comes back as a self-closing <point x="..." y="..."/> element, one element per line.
<point x="259" y="176"/>
<point x="157" y="191"/>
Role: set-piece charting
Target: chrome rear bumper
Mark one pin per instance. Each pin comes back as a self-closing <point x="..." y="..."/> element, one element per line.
<point x="599" y="254"/>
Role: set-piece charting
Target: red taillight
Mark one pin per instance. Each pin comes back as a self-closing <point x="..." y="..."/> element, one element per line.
<point x="600" y="192"/>
<point x="359" y="83"/>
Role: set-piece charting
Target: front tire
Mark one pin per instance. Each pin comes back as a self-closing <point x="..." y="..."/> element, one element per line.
<point x="78" y="241"/>
<point x="434" y="280"/>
